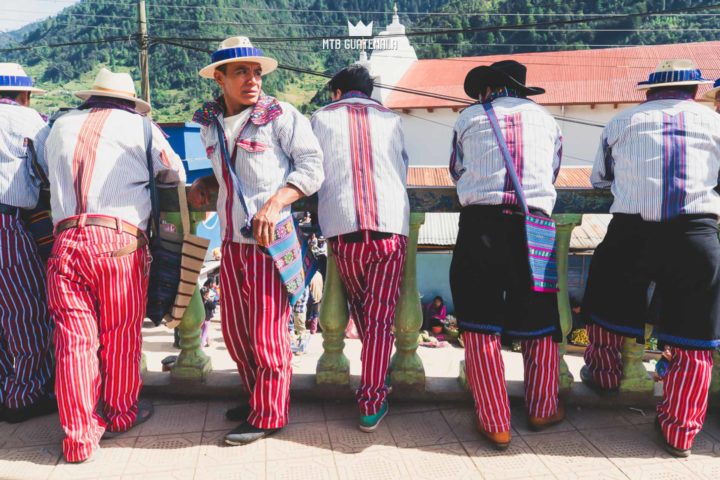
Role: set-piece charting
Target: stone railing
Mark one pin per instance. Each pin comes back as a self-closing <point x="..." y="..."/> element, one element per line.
<point x="408" y="373"/>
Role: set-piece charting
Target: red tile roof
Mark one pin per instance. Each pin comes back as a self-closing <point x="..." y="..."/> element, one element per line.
<point x="568" y="178"/>
<point x="582" y="77"/>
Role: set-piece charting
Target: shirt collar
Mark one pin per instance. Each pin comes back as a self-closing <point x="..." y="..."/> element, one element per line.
<point x="264" y="111"/>
<point x="504" y="92"/>
<point x="670" y="95"/>
<point x="107" y="102"/>
<point x="353" y="94"/>
<point x="8" y="101"/>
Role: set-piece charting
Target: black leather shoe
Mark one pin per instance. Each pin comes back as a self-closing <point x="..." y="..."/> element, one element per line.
<point x="239" y="413"/>
<point x="246" y="433"/>
<point x="2" y="413"/>
<point x="42" y="406"/>
<point x="589" y="382"/>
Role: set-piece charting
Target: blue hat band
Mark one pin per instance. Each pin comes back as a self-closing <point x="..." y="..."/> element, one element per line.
<point x="14" y="81"/>
<point x="240" y="52"/>
<point x="717" y="83"/>
<point x="674" y="76"/>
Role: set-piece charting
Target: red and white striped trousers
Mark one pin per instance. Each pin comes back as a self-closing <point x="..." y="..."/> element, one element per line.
<point x="485" y="371"/>
<point x="685" y="387"/>
<point x="371" y="271"/>
<point x="98" y="304"/>
<point x="25" y="327"/>
<point x="255" y="321"/>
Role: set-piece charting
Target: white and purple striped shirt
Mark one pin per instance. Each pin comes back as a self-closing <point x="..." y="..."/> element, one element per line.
<point x="661" y="159"/>
<point x="365" y="168"/>
<point x="276" y="148"/>
<point x="19" y="125"/>
<point x="97" y="165"/>
<point x="535" y="143"/>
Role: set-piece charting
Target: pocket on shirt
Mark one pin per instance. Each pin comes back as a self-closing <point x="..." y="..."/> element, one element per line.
<point x="251" y="146"/>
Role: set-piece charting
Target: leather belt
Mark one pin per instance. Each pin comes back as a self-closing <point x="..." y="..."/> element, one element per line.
<point x="8" y="209"/>
<point x="111" y="223"/>
<point x="359" y="236"/>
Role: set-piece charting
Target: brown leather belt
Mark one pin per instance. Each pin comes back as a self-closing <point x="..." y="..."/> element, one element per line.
<point x="111" y="223"/>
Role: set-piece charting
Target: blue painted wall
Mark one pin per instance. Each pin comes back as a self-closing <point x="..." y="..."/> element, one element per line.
<point x="184" y="138"/>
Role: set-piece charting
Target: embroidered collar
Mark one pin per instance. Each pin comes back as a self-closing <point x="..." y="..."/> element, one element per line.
<point x="354" y="94"/>
<point x="107" y="102"/>
<point x="500" y="93"/>
<point x="264" y="111"/>
<point x="669" y="94"/>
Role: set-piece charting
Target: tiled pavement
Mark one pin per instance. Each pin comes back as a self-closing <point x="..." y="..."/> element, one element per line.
<point x="183" y="441"/>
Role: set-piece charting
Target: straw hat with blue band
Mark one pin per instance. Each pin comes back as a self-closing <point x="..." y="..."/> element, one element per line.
<point x="677" y="72"/>
<point x="14" y="79"/>
<point x="238" y="49"/>
<point x="712" y="94"/>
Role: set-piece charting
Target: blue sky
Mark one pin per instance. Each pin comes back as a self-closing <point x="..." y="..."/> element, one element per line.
<point x="16" y="14"/>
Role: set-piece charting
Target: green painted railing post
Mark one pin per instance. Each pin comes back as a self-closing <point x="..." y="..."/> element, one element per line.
<point x="565" y="223"/>
<point x="406" y="367"/>
<point x="715" y="381"/>
<point x="333" y="368"/>
<point x="192" y="364"/>
<point x="635" y="377"/>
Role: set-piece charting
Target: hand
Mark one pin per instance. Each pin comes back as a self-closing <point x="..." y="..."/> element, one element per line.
<point x="265" y="220"/>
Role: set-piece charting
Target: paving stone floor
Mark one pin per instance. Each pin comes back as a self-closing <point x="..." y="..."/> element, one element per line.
<point x="183" y="441"/>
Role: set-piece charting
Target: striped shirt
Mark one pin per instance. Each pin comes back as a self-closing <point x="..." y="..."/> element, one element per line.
<point x="276" y="148"/>
<point x="535" y="143"/>
<point x="365" y="168"/>
<point x="19" y="185"/>
<point x="97" y="165"/>
<point x="661" y="159"/>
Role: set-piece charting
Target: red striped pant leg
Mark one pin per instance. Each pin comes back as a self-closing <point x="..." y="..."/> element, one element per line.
<point x="602" y="356"/>
<point x="351" y="260"/>
<point x="542" y="376"/>
<point x="122" y="297"/>
<point x="233" y="304"/>
<point x="24" y="320"/>
<point x="268" y="319"/>
<point x="77" y="384"/>
<point x="685" y="396"/>
<point x="383" y="277"/>
<point x="485" y="371"/>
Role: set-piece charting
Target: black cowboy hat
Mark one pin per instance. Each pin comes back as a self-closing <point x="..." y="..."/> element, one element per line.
<point x="506" y="73"/>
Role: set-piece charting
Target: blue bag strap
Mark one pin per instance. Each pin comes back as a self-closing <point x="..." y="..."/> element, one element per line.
<point x="154" y="201"/>
<point x="225" y="154"/>
<point x="509" y="165"/>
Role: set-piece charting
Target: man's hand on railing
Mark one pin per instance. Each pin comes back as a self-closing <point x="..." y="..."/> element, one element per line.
<point x="202" y="191"/>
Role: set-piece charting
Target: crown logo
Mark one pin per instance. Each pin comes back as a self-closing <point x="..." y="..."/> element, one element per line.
<point x="360" y="30"/>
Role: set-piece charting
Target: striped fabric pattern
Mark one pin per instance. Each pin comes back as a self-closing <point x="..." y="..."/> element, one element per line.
<point x="486" y="378"/>
<point x="661" y="159"/>
<point x="365" y="167"/>
<point x="371" y="272"/>
<point x="602" y="356"/>
<point x="98" y="305"/>
<point x="256" y="313"/>
<point x="25" y="327"/>
<point x="19" y="186"/>
<point x="477" y="165"/>
<point x="267" y="156"/>
<point x="97" y="165"/>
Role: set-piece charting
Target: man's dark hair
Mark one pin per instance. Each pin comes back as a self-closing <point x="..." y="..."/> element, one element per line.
<point x="691" y="89"/>
<point x="222" y="68"/>
<point x="354" y="77"/>
<point x="10" y="94"/>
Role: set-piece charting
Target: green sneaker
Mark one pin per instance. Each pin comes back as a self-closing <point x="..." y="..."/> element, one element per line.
<point x="370" y="423"/>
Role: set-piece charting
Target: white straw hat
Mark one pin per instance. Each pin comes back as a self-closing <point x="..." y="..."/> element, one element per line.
<point x="674" y="72"/>
<point x="238" y="49"/>
<point x="115" y="85"/>
<point x="14" y="79"/>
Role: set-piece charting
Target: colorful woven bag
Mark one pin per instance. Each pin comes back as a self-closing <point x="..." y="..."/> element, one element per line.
<point x="540" y="231"/>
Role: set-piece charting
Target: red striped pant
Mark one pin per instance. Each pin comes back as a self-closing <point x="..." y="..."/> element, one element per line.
<point x="25" y="327"/>
<point x="486" y="377"/>
<point x="255" y="321"/>
<point x="685" y="387"/>
<point x="98" y="304"/>
<point x="371" y="271"/>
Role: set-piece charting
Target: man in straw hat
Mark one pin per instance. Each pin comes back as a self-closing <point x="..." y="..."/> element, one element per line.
<point x="661" y="159"/>
<point x="490" y="265"/>
<point x="714" y="95"/>
<point x="265" y="157"/>
<point x="364" y="211"/>
<point x="98" y="270"/>
<point x="25" y="328"/>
